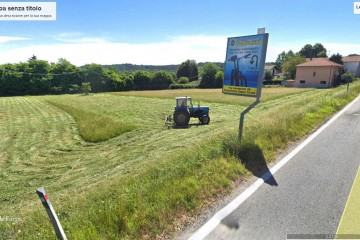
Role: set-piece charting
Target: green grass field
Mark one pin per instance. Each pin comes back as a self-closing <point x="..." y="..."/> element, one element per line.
<point x="113" y="170"/>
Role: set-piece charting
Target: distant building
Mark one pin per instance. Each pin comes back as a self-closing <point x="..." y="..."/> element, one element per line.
<point x="352" y="64"/>
<point x="317" y="73"/>
<point x="273" y="70"/>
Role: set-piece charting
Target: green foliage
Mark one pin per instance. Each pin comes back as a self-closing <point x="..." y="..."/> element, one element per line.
<point x="139" y="184"/>
<point x="347" y="77"/>
<point x="208" y="76"/>
<point x="85" y="88"/>
<point x="193" y="84"/>
<point x="289" y="66"/>
<point x="337" y="58"/>
<point x="142" y="80"/>
<point x="309" y="51"/>
<point x="282" y="57"/>
<point x="188" y="69"/>
<point x="268" y="75"/>
<point x="219" y="79"/>
<point x="322" y="54"/>
<point x="38" y="77"/>
<point x="161" y="80"/>
<point x="74" y="88"/>
<point x="183" y="80"/>
<point x="94" y="127"/>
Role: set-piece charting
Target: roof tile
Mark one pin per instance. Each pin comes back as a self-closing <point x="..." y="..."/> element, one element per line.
<point x="319" y="62"/>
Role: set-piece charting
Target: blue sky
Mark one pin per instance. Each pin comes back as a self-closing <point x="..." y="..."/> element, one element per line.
<point x="171" y="31"/>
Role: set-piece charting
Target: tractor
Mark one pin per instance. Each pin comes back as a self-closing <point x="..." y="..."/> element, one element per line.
<point x="184" y="110"/>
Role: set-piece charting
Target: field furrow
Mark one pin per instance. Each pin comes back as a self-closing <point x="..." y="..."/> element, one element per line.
<point x="40" y="145"/>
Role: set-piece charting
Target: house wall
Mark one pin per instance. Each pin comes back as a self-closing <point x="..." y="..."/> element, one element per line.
<point x="353" y="67"/>
<point x="324" y="76"/>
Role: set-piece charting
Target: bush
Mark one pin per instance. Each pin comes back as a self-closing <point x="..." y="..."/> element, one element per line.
<point x="347" y="77"/>
<point x="183" y="80"/>
<point x="194" y="84"/>
<point x="268" y="75"/>
<point x="275" y="82"/>
<point x="208" y="76"/>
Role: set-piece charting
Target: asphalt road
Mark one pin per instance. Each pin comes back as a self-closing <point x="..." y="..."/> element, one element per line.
<point x="308" y="194"/>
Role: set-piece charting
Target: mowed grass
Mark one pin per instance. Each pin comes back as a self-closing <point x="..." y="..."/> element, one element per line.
<point x="216" y="95"/>
<point x="147" y="182"/>
<point x="94" y="127"/>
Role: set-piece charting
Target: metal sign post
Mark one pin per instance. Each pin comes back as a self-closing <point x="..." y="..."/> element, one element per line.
<point x="244" y="69"/>
<point x="51" y="213"/>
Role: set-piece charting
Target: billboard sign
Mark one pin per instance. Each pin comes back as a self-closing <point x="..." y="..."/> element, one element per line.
<point x="244" y="65"/>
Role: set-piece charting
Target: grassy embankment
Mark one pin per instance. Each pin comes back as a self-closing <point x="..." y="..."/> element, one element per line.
<point x="142" y="182"/>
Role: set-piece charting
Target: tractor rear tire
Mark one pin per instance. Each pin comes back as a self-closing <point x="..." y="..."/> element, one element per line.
<point x="181" y="117"/>
<point x="205" y="119"/>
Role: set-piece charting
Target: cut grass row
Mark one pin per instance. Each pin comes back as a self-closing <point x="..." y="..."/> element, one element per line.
<point x="216" y="95"/>
<point x="94" y="127"/>
<point x="185" y="173"/>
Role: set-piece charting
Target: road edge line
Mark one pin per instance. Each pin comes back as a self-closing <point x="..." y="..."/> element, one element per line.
<point x="210" y="225"/>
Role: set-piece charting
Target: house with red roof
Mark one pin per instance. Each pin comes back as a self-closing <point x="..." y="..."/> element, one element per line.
<point x="317" y="73"/>
<point x="272" y="68"/>
<point x="352" y="64"/>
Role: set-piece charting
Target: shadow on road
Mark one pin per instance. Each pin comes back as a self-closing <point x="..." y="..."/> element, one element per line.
<point x="253" y="159"/>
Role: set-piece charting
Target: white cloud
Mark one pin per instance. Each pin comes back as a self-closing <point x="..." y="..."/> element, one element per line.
<point x="172" y="51"/>
<point x="4" y="39"/>
<point x="343" y="49"/>
<point x="77" y="37"/>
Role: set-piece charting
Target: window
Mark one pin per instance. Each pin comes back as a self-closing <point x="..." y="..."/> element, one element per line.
<point x="322" y="82"/>
<point x="302" y="81"/>
<point x="314" y="74"/>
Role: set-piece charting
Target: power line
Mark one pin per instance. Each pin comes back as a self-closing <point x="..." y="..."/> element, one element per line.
<point x="40" y="74"/>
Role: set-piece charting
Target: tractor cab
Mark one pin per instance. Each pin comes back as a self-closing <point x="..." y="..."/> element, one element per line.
<point x="184" y="110"/>
<point x="183" y="102"/>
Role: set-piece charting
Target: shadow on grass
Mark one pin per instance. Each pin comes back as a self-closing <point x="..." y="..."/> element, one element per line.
<point x="253" y="159"/>
<point x="190" y="125"/>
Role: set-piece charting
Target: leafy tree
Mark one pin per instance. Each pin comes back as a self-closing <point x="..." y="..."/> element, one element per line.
<point x="322" y="54"/>
<point x="129" y="83"/>
<point x="142" y="80"/>
<point x="74" y="88"/>
<point x="282" y="57"/>
<point x="336" y="58"/>
<point x="183" y="80"/>
<point x="161" y="80"/>
<point x="268" y="75"/>
<point x="113" y="79"/>
<point x="33" y="57"/>
<point x="12" y="82"/>
<point x="309" y="51"/>
<point x="289" y="66"/>
<point x="319" y="50"/>
<point x="219" y="78"/>
<point x="353" y="54"/>
<point x="95" y="75"/>
<point x="188" y="69"/>
<point x="208" y="76"/>
<point x="347" y="77"/>
<point x="86" y="88"/>
<point x="65" y="74"/>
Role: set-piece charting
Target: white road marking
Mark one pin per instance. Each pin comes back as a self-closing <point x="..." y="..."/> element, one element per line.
<point x="209" y="226"/>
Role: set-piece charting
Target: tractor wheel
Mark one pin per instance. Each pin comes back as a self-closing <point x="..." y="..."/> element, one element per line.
<point x="181" y="117"/>
<point x="205" y="119"/>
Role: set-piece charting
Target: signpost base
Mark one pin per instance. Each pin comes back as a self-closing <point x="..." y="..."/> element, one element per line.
<point x="242" y="118"/>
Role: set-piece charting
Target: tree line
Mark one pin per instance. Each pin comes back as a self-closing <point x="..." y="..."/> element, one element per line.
<point x="39" y="77"/>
